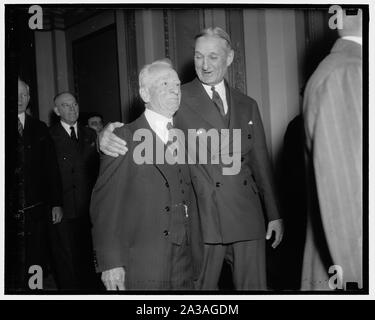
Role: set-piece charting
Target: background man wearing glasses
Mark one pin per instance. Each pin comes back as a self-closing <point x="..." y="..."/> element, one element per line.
<point x="78" y="161"/>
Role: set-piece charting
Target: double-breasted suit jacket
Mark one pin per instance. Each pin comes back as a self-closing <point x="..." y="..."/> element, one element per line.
<point x="138" y="211"/>
<point x="231" y="206"/>
<point x="79" y="163"/>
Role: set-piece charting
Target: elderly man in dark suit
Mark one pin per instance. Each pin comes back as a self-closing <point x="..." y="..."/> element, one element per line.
<point x="231" y="206"/>
<point x="145" y="220"/>
<point x="37" y="195"/>
<point x="79" y="163"/>
<point x="333" y="125"/>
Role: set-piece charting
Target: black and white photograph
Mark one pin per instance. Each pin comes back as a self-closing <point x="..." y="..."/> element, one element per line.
<point x="200" y="149"/>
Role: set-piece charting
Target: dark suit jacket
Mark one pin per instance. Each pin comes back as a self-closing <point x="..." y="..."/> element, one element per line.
<point x="333" y="123"/>
<point x="79" y="165"/>
<point x="42" y="185"/>
<point x="131" y="209"/>
<point x="42" y="178"/>
<point x="230" y="205"/>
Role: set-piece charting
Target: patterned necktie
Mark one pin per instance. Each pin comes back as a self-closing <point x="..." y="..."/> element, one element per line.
<point x="73" y="135"/>
<point x="170" y="141"/>
<point x="20" y="128"/>
<point x="217" y="100"/>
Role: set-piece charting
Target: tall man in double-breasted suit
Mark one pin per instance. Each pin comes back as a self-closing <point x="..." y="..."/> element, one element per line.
<point x="145" y="223"/>
<point x="232" y="217"/>
<point x="36" y="192"/>
<point x="79" y="162"/>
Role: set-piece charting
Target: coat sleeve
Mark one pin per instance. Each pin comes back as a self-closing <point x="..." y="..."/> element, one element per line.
<point x="261" y="167"/>
<point x="110" y="220"/>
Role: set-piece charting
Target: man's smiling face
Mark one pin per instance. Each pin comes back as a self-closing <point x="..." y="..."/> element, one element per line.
<point x="212" y="58"/>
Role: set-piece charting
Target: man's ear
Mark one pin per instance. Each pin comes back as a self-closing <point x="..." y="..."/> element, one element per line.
<point x="145" y="95"/>
<point x="230" y="57"/>
<point x="56" y="110"/>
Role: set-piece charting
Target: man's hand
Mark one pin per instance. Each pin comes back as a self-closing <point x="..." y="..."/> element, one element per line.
<point x="57" y="215"/>
<point x="276" y="226"/>
<point x="114" y="279"/>
<point x="109" y="143"/>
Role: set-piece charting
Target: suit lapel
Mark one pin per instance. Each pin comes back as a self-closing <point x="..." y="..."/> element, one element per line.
<point x="142" y="123"/>
<point x="199" y="101"/>
<point x="237" y="119"/>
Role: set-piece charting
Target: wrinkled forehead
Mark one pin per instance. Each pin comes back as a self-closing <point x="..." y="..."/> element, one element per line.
<point x="65" y="98"/>
<point x="211" y="43"/>
<point x="158" y="73"/>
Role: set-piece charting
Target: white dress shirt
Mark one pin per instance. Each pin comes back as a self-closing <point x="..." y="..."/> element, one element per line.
<point x="67" y="128"/>
<point x="220" y="89"/>
<point x="158" y="124"/>
<point x="21" y="116"/>
<point x="353" y="38"/>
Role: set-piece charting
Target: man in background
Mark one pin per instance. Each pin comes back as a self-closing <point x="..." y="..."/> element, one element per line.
<point x="95" y="122"/>
<point x="333" y="124"/>
<point x="78" y="161"/>
<point x="37" y="198"/>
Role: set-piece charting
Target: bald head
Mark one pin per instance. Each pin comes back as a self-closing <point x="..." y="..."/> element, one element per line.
<point x="66" y="107"/>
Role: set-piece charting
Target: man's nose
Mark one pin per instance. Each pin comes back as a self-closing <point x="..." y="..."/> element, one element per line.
<point x="205" y="64"/>
<point x="175" y="89"/>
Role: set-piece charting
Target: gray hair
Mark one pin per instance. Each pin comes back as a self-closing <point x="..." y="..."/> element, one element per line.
<point x="149" y="70"/>
<point x="215" y="32"/>
<point x="61" y="93"/>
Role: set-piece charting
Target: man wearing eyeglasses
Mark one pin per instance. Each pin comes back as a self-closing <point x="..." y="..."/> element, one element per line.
<point x="79" y="162"/>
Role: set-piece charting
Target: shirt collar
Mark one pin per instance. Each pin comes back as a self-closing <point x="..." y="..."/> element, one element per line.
<point x="67" y="127"/>
<point x="158" y="123"/>
<point x="21" y="116"/>
<point x="220" y="88"/>
<point x="353" y="38"/>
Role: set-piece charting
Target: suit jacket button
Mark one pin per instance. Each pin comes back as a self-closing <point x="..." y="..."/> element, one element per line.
<point x="242" y="159"/>
<point x="245" y="182"/>
<point x="249" y="136"/>
<point x="218" y="184"/>
<point x="167" y="208"/>
<point x="166" y="233"/>
<point x="167" y="184"/>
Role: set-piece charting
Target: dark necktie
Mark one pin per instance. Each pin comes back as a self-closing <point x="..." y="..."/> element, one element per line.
<point x="20" y="128"/>
<point x="73" y="135"/>
<point x="217" y="100"/>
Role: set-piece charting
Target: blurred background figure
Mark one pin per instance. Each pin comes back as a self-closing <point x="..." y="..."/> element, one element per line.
<point x="95" y="121"/>
<point x="36" y="190"/>
<point x="333" y="124"/>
